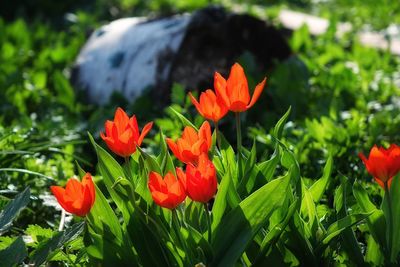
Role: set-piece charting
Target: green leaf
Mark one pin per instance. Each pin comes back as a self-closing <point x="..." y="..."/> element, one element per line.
<point x="373" y="255"/>
<point x="102" y="214"/>
<point x="178" y="94"/>
<point x="38" y="233"/>
<point x="111" y="171"/>
<point x="376" y="222"/>
<point x="250" y="172"/>
<point x="309" y="213"/>
<point x="220" y="202"/>
<point x="339" y="226"/>
<point x="57" y="241"/>
<point x="65" y="92"/>
<point x="239" y="226"/>
<point x="14" y="254"/>
<point x="183" y="119"/>
<point x="318" y="188"/>
<point x="276" y="231"/>
<point x="395" y="235"/>
<point x="151" y="162"/>
<point x="164" y="159"/>
<point x="13" y="208"/>
<point x="349" y="241"/>
<point x="278" y="130"/>
<point x="267" y="168"/>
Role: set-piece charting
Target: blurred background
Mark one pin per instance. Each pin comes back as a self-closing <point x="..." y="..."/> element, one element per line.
<point x="344" y="94"/>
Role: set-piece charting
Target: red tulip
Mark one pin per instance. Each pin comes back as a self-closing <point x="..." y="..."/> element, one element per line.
<point x="383" y="163"/>
<point x="210" y="107"/>
<point x="189" y="147"/>
<point x="122" y="135"/>
<point x="77" y="197"/>
<point x="234" y="92"/>
<point x="168" y="192"/>
<point x="200" y="181"/>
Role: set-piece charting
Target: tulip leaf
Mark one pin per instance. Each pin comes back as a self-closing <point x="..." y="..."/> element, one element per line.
<point x="395" y="234"/>
<point x="250" y="172"/>
<point x="111" y="171"/>
<point x="276" y="231"/>
<point x="278" y="129"/>
<point x="13" y="208"/>
<point x="308" y="212"/>
<point x="151" y="162"/>
<point x="318" y="188"/>
<point x="220" y="202"/>
<point x="373" y="255"/>
<point x="376" y="222"/>
<point x="14" y="254"/>
<point x="183" y="119"/>
<point x="339" y="226"/>
<point x="239" y="226"/>
<point x="350" y="243"/>
<point x="164" y="159"/>
<point x="267" y="168"/>
<point x="102" y="214"/>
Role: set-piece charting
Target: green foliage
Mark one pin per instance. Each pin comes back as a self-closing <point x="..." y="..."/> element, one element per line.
<point x="343" y="98"/>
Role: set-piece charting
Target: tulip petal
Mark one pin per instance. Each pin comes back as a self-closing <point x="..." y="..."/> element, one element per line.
<point x="74" y="188"/>
<point x="134" y="127"/>
<point x="59" y="193"/>
<point x="173" y="147"/>
<point x="156" y="182"/>
<point x="108" y="126"/>
<point x="121" y="120"/>
<point x="257" y="92"/>
<point x="237" y="86"/>
<point x="205" y="134"/>
<point x="87" y="182"/>
<point x="238" y="106"/>
<point x="196" y="104"/>
<point x="146" y="129"/>
<point x="220" y="88"/>
<point x="169" y="180"/>
<point x="181" y="176"/>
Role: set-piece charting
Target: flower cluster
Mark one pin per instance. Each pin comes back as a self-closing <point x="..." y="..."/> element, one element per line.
<point x="199" y="180"/>
<point x="230" y="95"/>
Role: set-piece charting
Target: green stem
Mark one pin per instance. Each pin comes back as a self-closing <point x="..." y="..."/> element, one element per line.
<point x="390" y="219"/>
<point x="239" y="144"/>
<point x="208" y="222"/>
<point x="177" y="225"/>
<point x="217" y="135"/>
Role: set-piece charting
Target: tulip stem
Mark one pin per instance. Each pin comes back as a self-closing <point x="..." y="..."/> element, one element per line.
<point x="239" y="144"/>
<point x="390" y="215"/>
<point x="177" y="225"/>
<point x="62" y="220"/>
<point x="208" y="222"/>
<point x="217" y="135"/>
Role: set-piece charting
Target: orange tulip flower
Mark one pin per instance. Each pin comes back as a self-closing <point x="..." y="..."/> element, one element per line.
<point x="189" y="147"/>
<point x="122" y="135"/>
<point x="77" y="197"/>
<point x="383" y="163"/>
<point x="168" y="192"/>
<point x="200" y="181"/>
<point x="210" y="107"/>
<point x="234" y="92"/>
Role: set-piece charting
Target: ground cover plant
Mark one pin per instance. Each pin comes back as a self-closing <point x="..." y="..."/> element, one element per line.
<point x="281" y="183"/>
